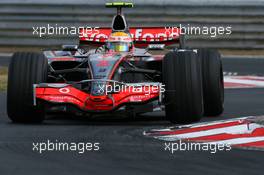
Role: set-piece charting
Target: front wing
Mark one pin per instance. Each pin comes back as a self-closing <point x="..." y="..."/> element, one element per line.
<point x="67" y="94"/>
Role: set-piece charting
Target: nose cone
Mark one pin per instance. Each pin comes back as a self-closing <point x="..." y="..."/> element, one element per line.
<point x="102" y="69"/>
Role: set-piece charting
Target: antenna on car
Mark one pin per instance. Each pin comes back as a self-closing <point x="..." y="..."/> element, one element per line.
<point x="119" y="6"/>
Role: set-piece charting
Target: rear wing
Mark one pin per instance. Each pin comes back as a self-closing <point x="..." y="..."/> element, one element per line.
<point x="142" y="36"/>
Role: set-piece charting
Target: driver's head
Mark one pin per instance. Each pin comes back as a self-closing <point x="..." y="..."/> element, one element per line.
<point x="119" y="42"/>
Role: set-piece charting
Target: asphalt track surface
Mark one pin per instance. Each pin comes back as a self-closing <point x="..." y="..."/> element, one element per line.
<point x="123" y="148"/>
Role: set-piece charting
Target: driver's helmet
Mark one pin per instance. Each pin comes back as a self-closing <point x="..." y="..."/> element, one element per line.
<point x="119" y="42"/>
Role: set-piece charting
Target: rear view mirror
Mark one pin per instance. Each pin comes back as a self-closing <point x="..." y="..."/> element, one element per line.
<point x="69" y="47"/>
<point x="156" y="46"/>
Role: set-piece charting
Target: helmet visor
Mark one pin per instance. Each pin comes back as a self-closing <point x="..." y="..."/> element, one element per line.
<point x="118" y="46"/>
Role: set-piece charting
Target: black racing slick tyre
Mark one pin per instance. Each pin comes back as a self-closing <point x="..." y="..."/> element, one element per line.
<point x="25" y="69"/>
<point x="213" y="85"/>
<point x="183" y="86"/>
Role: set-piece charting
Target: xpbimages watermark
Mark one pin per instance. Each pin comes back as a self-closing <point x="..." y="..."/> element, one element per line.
<point x="212" y="31"/>
<point x="58" y="146"/>
<point x="51" y="30"/>
<point x="212" y="148"/>
<point x="131" y="88"/>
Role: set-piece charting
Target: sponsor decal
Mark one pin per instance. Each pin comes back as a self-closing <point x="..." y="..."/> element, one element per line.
<point x="64" y="90"/>
<point x="139" y="98"/>
<point x="138" y="34"/>
<point x="102" y="63"/>
<point x="246" y="132"/>
<point x="63" y="59"/>
<point x="62" y="99"/>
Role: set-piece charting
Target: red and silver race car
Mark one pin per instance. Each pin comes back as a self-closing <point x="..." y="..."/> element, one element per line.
<point x="120" y="75"/>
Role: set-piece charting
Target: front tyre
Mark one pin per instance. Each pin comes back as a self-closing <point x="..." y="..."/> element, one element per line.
<point x="25" y="69"/>
<point x="213" y="84"/>
<point x="183" y="86"/>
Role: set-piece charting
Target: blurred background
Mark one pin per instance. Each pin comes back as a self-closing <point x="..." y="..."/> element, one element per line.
<point x="246" y="17"/>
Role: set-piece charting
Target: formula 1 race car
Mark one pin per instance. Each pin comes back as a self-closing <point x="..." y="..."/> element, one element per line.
<point x="118" y="75"/>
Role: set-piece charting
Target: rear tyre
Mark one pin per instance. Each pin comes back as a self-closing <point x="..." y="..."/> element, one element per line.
<point x="25" y="69"/>
<point x="183" y="87"/>
<point x="213" y="85"/>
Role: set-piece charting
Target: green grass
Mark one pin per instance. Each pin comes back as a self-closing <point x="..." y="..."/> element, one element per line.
<point x="3" y="78"/>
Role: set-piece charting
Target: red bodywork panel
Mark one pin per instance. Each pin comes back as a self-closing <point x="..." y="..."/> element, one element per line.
<point x="142" y="36"/>
<point x="87" y="102"/>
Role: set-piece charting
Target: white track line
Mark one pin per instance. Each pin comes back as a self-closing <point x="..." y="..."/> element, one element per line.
<point x="243" y="81"/>
<point x="236" y="141"/>
<point x="237" y="129"/>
